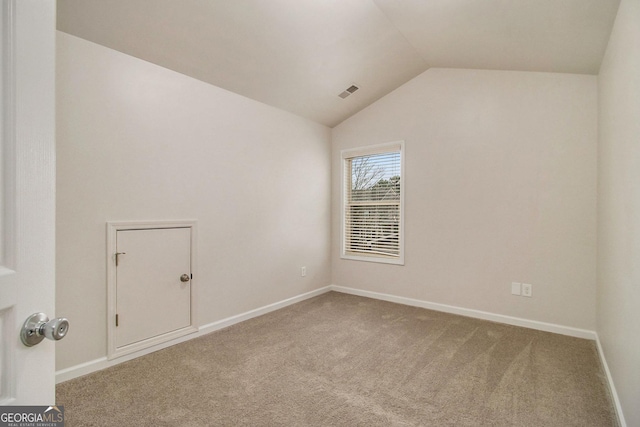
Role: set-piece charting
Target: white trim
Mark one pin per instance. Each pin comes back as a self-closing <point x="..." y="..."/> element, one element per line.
<point x="85" y="368"/>
<point x="102" y="362"/>
<point x="468" y="312"/>
<point x="8" y="135"/>
<point x="370" y="150"/>
<point x="373" y="258"/>
<point x="221" y="324"/>
<point x="8" y="382"/>
<point x="612" y="387"/>
<point x="112" y="230"/>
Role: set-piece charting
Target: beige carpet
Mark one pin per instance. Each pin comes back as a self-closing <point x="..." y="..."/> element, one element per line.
<point x="342" y="360"/>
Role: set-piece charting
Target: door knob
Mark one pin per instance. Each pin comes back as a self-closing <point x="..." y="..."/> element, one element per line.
<point x="38" y="327"/>
<point x="184" y="278"/>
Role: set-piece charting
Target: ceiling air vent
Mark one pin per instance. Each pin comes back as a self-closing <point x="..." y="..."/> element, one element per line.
<point x="348" y="91"/>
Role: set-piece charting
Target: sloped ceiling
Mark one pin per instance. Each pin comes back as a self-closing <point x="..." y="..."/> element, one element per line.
<point x="299" y="55"/>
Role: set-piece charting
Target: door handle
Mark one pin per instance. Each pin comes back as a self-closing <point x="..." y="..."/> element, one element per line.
<point x="184" y="278"/>
<point x="38" y="327"/>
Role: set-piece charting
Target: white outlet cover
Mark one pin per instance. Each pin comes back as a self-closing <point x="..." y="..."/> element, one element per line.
<point x="515" y="288"/>
<point x="527" y="289"/>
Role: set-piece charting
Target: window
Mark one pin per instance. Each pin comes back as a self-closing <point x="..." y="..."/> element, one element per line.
<point x="373" y="194"/>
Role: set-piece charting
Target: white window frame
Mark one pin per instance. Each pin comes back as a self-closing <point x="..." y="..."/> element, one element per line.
<point x="367" y="151"/>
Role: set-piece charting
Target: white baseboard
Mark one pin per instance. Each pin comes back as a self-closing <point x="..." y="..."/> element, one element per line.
<point x="612" y="387"/>
<point x="468" y="312"/>
<point x="221" y="324"/>
<point x="83" y="369"/>
<point x="102" y="362"/>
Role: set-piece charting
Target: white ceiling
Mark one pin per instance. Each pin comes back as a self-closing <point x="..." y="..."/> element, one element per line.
<point x="298" y="55"/>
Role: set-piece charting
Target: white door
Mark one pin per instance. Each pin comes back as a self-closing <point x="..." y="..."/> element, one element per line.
<point x="27" y="197"/>
<point x="153" y="284"/>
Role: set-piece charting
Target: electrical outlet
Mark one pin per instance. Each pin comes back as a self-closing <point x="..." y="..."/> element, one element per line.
<point x="516" y="288"/>
<point x="303" y="271"/>
<point x="527" y="290"/>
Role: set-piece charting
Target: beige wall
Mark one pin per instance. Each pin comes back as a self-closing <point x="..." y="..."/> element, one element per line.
<point x="618" y="309"/>
<point x="500" y="187"/>
<point x="139" y="142"/>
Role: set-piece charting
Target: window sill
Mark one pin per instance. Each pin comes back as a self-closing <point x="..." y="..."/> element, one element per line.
<point x="379" y="260"/>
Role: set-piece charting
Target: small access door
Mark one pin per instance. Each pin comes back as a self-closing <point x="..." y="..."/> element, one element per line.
<point x="153" y="287"/>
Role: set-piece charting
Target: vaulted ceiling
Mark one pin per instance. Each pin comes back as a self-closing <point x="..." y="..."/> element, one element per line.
<point x="299" y="55"/>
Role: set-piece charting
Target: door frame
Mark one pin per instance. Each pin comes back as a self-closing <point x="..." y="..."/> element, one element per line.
<point x="8" y="321"/>
<point x="147" y="345"/>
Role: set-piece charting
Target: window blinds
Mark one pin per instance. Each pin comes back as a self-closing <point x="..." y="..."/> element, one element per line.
<point x="373" y="186"/>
